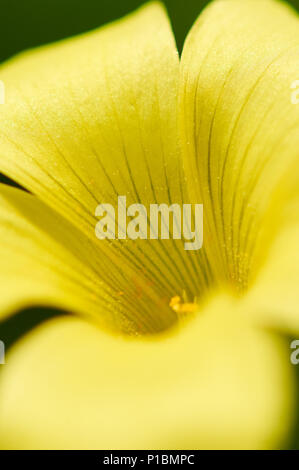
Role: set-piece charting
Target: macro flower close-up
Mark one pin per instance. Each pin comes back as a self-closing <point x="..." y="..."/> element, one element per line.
<point x="169" y="329"/>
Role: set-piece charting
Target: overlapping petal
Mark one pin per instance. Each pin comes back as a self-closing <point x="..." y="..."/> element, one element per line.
<point x="47" y="261"/>
<point x="239" y="127"/>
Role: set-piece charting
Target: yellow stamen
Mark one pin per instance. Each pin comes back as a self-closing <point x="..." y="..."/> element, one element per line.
<point x="182" y="307"/>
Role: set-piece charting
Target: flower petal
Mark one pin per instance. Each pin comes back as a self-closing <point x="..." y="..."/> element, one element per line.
<point x="239" y="126"/>
<point x="47" y="261"/>
<point x="217" y="383"/>
<point x="89" y="116"/>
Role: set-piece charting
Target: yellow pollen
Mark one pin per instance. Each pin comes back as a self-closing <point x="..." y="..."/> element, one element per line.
<point x="182" y="307"/>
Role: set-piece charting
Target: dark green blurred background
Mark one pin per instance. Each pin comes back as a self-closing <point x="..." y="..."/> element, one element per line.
<point x="28" y="23"/>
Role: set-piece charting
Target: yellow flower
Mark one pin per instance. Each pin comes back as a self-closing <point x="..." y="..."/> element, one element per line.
<point x="115" y="112"/>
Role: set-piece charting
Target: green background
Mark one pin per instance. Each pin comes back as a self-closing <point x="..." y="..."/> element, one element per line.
<point x="28" y="23"/>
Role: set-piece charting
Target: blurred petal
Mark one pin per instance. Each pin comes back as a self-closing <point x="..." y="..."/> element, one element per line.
<point x="239" y="126"/>
<point x="95" y="117"/>
<point x="274" y="297"/>
<point x="215" y="383"/>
